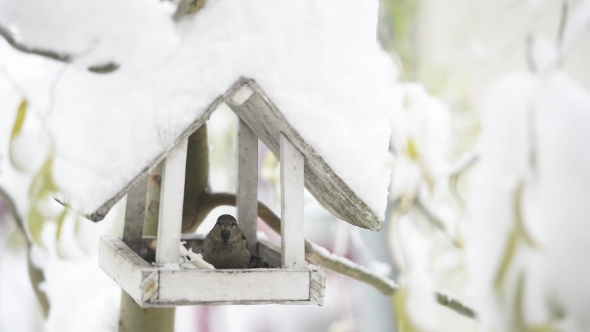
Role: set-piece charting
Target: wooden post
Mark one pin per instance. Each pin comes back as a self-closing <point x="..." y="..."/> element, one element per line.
<point x="171" y="201"/>
<point x="134" y="214"/>
<point x="292" y="241"/>
<point x="247" y="191"/>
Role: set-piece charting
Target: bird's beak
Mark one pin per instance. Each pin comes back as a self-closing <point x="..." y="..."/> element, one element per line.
<point x="225" y="233"/>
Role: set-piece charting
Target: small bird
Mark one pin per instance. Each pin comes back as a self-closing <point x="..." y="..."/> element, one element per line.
<point x="226" y="246"/>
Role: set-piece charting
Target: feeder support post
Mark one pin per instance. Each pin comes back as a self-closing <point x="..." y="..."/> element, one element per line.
<point x="292" y="177"/>
<point x="247" y="191"/>
<point x="171" y="201"/>
<point x="134" y="214"/>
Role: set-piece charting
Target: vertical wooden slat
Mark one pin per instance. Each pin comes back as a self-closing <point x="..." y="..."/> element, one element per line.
<point x="134" y="214"/>
<point x="292" y="242"/>
<point x="247" y="192"/>
<point x="171" y="199"/>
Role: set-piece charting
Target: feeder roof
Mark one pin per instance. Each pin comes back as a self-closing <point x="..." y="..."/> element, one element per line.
<point x="317" y="63"/>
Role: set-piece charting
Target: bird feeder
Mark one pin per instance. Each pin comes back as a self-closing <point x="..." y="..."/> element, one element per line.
<point x="289" y="279"/>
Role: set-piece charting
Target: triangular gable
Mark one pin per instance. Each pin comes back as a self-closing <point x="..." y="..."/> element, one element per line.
<point x="252" y="105"/>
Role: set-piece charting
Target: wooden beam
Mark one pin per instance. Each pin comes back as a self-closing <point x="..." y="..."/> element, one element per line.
<point x="247" y="191"/>
<point x="123" y="265"/>
<point x="292" y="241"/>
<point x="267" y="121"/>
<point x="134" y="214"/>
<point x="233" y="286"/>
<point x="101" y="212"/>
<point x="153" y="286"/>
<point x="171" y="200"/>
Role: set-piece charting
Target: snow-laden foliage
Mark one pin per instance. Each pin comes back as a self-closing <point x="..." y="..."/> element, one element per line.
<point x="526" y="241"/>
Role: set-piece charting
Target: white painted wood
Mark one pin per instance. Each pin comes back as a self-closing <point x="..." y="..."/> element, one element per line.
<point x="155" y="286"/>
<point x="241" y="95"/>
<point x="134" y="214"/>
<point x="101" y="212"/>
<point x="122" y="264"/>
<point x="234" y="285"/>
<point x="317" y="284"/>
<point x="252" y="105"/>
<point x="247" y="191"/>
<point x="267" y="121"/>
<point x="171" y="199"/>
<point x="292" y="241"/>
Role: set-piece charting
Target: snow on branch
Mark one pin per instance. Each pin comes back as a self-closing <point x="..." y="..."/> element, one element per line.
<point x="321" y="256"/>
<point x="62" y="57"/>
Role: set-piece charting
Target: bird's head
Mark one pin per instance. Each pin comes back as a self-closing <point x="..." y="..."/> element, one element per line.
<point x="227" y="224"/>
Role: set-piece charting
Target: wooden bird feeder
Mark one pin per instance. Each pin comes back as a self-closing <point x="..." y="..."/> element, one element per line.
<point x="290" y="279"/>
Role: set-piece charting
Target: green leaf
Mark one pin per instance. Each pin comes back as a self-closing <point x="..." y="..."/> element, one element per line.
<point x="21" y="114"/>
<point x="35" y="225"/>
<point x="519" y="322"/>
<point x="517" y="235"/>
<point x="42" y="185"/>
<point x="60" y="221"/>
<point x="402" y="317"/>
<point x="20" y="118"/>
<point x="411" y="150"/>
<point x="507" y="258"/>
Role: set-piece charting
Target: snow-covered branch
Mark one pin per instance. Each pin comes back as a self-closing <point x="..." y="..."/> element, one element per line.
<point x="36" y="274"/>
<point x="62" y="57"/>
<point x="319" y="255"/>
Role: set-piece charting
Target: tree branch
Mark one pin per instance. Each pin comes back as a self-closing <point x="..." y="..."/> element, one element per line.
<point x="36" y="275"/>
<point x="62" y="57"/>
<point x="321" y="256"/>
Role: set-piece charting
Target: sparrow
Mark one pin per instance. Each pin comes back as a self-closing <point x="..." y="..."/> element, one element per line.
<point x="226" y="246"/>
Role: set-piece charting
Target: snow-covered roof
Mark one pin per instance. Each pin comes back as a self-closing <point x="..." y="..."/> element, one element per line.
<point x="318" y="61"/>
<point x="267" y="122"/>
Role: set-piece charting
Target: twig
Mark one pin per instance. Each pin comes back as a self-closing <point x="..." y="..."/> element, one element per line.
<point x="436" y="221"/>
<point x="62" y="57"/>
<point x="186" y="7"/>
<point x="322" y="257"/>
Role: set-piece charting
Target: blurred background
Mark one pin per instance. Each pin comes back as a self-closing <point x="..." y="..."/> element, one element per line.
<point x="448" y="53"/>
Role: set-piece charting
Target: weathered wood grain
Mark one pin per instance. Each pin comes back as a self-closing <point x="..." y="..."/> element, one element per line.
<point x="156" y="286"/>
<point x="122" y="264"/>
<point x="252" y="105"/>
<point x="266" y="120"/>
<point x="185" y="286"/>
<point x="134" y="214"/>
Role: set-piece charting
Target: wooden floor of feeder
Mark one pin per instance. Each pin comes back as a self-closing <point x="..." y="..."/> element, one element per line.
<point x="153" y="286"/>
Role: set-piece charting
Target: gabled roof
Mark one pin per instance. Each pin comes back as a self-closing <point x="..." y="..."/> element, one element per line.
<point x="267" y="122"/>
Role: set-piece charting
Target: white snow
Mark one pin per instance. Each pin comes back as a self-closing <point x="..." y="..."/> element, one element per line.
<point x="191" y="260"/>
<point x="421" y="128"/>
<point x="319" y="62"/>
<point x="416" y="278"/>
<point x="550" y="115"/>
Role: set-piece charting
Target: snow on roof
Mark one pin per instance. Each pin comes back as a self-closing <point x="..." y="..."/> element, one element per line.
<point x="318" y="61"/>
